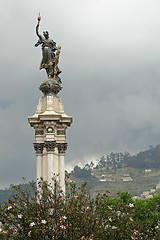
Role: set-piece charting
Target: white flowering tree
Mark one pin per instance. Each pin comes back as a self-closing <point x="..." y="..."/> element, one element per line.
<point x="43" y="213"/>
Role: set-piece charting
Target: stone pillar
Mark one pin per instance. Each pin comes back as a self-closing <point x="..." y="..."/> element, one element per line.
<point x="50" y="148"/>
<point x="62" y="147"/>
<point x="50" y="123"/>
<point x="39" y="155"/>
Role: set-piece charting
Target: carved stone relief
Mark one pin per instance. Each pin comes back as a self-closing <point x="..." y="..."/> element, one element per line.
<point x="39" y="132"/>
<point x="62" y="147"/>
<point x="61" y="132"/>
<point x="38" y="147"/>
<point x="50" y="130"/>
<point x="50" y="146"/>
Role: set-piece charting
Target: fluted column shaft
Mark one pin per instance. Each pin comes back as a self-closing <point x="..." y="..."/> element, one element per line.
<point x="50" y="148"/>
<point x="62" y="147"/>
<point x="39" y="155"/>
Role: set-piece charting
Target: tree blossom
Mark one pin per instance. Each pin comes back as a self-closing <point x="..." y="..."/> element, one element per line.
<point x="32" y="224"/>
<point x="64" y="217"/>
<point x="44" y="221"/>
<point x="63" y="227"/>
<point x="109" y="207"/>
<point x="134" y="237"/>
<point x="20" y="216"/>
<point x="110" y="219"/>
<point x="9" y="207"/>
<point x="114" y="227"/>
<point x="131" y="205"/>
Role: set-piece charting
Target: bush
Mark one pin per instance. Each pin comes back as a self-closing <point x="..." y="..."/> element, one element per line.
<point x="44" y="213"/>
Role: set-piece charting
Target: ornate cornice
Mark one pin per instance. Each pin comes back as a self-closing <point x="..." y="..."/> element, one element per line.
<point x="50" y="146"/>
<point x="38" y="147"/>
<point x="62" y="147"/>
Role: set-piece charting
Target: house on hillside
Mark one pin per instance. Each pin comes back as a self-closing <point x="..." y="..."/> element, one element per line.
<point x="148" y="170"/>
<point x="127" y="178"/>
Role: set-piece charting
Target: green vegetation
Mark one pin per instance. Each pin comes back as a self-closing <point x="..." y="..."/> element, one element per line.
<point x="44" y="213"/>
<point x="122" y="172"/>
<point x="147" y="159"/>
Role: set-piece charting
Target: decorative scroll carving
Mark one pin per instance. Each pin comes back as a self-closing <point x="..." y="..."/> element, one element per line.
<point x="38" y="147"/>
<point x="50" y="130"/>
<point x="62" y="147"/>
<point x="61" y="132"/>
<point x="50" y="146"/>
<point x="39" y="132"/>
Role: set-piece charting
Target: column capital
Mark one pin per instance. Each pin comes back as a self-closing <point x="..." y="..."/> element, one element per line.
<point x="50" y="146"/>
<point x="38" y="147"/>
<point x="62" y="147"/>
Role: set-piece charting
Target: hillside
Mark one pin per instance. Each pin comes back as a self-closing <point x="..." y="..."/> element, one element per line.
<point x="122" y="172"/>
<point x="147" y="159"/>
<point x="5" y="194"/>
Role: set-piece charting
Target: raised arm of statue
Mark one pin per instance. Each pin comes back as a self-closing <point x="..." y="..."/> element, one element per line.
<point x="37" y="27"/>
<point x="37" y="32"/>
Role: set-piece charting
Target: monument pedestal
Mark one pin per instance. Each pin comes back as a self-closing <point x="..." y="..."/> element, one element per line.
<point x="50" y="123"/>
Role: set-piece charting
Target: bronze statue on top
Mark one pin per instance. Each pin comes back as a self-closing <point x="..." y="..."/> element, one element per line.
<point x="50" y="53"/>
<point x="50" y="58"/>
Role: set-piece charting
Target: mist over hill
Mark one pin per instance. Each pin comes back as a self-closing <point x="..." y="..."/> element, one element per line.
<point x="112" y="165"/>
<point x="149" y="158"/>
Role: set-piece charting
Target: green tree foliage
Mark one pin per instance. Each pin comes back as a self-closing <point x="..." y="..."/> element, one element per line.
<point x="147" y="159"/>
<point x="112" y="159"/>
<point x="82" y="173"/>
<point x="44" y="213"/>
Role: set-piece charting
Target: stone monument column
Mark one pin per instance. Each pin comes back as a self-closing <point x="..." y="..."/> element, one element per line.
<point x="50" y="147"/>
<point x="62" y="147"/>
<point x="39" y="155"/>
<point x="50" y="121"/>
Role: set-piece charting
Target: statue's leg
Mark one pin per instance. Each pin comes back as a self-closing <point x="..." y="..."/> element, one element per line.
<point x="50" y="71"/>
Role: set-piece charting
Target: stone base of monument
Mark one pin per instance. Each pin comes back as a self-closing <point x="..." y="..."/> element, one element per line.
<point x="50" y="123"/>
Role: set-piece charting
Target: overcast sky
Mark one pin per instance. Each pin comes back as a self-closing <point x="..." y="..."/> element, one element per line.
<point x="110" y="60"/>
